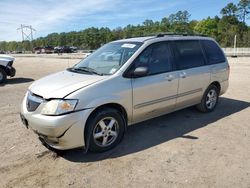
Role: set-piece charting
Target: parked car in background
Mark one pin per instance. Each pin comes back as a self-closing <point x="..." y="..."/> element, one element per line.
<point x="73" y="49"/>
<point x="37" y="50"/>
<point x="6" y="67"/>
<point x="48" y="49"/>
<point x="65" y="49"/>
<point x="43" y="50"/>
<point x="123" y="83"/>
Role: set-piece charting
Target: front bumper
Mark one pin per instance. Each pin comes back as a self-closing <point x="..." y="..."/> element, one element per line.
<point x="60" y="132"/>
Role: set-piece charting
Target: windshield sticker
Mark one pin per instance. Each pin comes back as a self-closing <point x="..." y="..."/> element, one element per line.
<point x="112" y="71"/>
<point x="128" y="45"/>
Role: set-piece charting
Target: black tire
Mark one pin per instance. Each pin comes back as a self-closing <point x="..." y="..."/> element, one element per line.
<point x="93" y="128"/>
<point x="3" y="76"/>
<point x="204" y="106"/>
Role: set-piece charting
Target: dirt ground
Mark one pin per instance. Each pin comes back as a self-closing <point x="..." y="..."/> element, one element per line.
<point x="182" y="149"/>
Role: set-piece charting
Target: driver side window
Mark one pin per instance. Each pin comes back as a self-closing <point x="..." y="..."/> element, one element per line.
<point x="156" y="57"/>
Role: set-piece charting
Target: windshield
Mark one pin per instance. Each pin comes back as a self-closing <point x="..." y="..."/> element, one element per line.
<point x="109" y="58"/>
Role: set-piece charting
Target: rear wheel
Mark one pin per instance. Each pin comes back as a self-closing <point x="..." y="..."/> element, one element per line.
<point x="3" y="76"/>
<point x="105" y="130"/>
<point x="209" y="99"/>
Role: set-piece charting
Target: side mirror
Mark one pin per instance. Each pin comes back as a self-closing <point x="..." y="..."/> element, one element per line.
<point x="140" y="72"/>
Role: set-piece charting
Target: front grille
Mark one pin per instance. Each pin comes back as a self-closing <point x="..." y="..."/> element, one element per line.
<point x="33" y="101"/>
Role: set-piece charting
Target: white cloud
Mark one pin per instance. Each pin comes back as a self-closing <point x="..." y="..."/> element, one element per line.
<point x="46" y="16"/>
<point x="56" y="15"/>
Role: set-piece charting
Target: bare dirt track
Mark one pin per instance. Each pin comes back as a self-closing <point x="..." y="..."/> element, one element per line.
<point x="182" y="149"/>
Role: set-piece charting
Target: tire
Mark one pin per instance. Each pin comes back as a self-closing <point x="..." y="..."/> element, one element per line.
<point x="105" y="130"/>
<point x="3" y="76"/>
<point x="209" y="100"/>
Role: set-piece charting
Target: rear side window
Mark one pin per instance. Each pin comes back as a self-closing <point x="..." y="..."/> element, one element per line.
<point x="188" y="54"/>
<point x="213" y="52"/>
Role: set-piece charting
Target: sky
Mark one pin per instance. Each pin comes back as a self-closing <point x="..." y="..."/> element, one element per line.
<point x="49" y="16"/>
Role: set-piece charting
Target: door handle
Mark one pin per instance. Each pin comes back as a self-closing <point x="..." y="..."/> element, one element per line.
<point x="169" y="77"/>
<point x="183" y="75"/>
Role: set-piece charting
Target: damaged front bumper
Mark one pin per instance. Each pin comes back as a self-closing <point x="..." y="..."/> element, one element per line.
<point x="60" y="132"/>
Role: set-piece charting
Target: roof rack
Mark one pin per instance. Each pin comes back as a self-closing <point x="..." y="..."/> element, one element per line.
<point x="180" y="34"/>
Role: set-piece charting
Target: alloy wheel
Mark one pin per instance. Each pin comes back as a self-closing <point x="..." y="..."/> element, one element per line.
<point x="106" y="131"/>
<point x="211" y="99"/>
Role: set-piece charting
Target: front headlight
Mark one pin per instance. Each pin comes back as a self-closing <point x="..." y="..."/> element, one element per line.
<point x="58" y="107"/>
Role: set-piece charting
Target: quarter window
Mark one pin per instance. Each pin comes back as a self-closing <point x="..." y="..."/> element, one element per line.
<point x="157" y="57"/>
<point x="213" y="52"/>
<point x="188" y="54"/>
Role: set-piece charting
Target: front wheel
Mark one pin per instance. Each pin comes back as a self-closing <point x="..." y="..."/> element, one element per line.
<point x="209" y="99"/>
<point x="105" y="130"/>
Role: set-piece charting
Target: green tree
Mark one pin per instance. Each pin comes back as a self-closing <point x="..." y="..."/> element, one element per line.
<point x="165" y="25"/>
<point x="12" y="46"/>
<point x="228" y="27"/>
<point x="180" y="17"/>
<point x="179" y="22"/>
<point x="26" y="45"/>
<point x="229" y="10"/>
<point x="192" y="25"/>
<point x="243" y="9"/>
<point x="208" y="27"/>
<point x="3" y="46"/>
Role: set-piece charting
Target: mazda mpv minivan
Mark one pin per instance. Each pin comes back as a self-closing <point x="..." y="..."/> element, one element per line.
<point x="124" y="82"/>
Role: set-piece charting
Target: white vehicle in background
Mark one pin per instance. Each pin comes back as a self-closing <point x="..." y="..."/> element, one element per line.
<point x="6" y="68"/>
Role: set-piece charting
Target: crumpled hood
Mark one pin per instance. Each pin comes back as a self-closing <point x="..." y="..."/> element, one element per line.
<point x="60" y="84"/>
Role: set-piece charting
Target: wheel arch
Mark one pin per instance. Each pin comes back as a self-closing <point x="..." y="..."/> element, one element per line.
<point x="116" y="106"/>
<point x="217" y="84"/>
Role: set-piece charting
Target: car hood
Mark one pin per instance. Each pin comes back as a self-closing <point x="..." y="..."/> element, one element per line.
<point x="7" y="57"/>
<point x="61" y="84"/>
<point x="4" y="62"/>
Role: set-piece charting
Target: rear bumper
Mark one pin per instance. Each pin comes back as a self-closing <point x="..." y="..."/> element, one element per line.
<point x="224" y="86"/>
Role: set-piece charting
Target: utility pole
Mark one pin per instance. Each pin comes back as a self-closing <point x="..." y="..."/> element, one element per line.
<point x="235" y="45"/>
<point x="27" y="33"/>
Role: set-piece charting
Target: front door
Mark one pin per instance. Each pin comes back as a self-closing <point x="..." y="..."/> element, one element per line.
<point x="154" y="94"/>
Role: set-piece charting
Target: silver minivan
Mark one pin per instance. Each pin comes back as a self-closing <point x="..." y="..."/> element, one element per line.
<point x="123" y="83"/>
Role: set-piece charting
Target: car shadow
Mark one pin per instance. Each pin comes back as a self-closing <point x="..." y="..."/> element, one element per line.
<point x="153" y="132"/>
<point x="17" y="81"/>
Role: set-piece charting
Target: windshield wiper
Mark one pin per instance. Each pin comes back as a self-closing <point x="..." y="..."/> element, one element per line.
<point x="87" y="69"/>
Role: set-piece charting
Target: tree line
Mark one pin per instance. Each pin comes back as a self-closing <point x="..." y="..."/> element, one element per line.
<point x="231" y="22"/>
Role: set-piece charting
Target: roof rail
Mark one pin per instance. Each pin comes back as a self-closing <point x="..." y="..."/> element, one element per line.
<point x="180" y="34"/>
